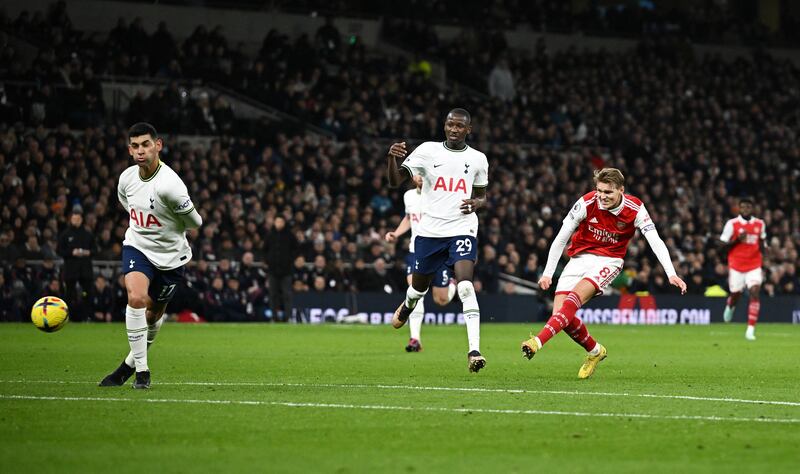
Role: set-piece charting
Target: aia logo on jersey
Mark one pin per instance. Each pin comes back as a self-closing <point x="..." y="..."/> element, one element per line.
<point x="452" y="185"/>
<point x="142" y="221"/>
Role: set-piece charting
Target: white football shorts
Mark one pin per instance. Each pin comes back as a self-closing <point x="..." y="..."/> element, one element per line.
<point x="737" y="281"/>
<point x="599" y="270"/>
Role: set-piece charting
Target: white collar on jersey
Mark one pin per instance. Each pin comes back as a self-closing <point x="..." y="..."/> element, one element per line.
<point x="614" y="211"/>
<point x="444" y="144"/>
<point x="752" y="218"/>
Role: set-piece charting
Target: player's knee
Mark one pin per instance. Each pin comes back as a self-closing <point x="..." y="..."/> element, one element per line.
<point x="440" y="298"/>
<point x="754" y="293"/>
<point x="465" y="289"/>
<point x="138" y="300"/>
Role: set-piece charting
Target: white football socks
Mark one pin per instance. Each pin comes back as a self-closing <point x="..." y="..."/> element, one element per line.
<point x="595" y="350"/>
<point x="412" y="296"/>
<point x="451" y="291"/>
<point x="472" y="314"/>
<point x="136" y="323"/>
<point x="415" y="319"/>
<point x="152" y="332"/>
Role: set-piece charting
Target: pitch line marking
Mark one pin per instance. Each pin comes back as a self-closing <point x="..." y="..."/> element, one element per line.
<point x="444" y="389"/>
<point x="405" y="408"/>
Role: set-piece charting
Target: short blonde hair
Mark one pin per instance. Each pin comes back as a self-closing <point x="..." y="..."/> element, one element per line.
<point x="611" y="176"/>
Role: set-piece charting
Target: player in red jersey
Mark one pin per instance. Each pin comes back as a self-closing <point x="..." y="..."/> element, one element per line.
<point x="603" y="223"/>
<point x="743" y="238"/>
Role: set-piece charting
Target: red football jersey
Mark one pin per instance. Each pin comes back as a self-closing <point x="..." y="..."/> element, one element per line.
<point x="744" y="256"/>
<point x="606" y="232"/>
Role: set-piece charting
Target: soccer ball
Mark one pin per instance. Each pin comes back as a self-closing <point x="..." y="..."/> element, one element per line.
<point x="50" y="314"/>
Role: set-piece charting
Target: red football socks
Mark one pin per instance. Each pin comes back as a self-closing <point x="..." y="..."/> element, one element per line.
<point x="752" y="312"/>
<point x="561" y="318"/>
<point x="578" y="332"/>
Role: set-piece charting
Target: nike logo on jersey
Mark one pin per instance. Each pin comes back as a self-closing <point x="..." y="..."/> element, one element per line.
<point x="593" y="220"/>
<point x="436" y="166"/>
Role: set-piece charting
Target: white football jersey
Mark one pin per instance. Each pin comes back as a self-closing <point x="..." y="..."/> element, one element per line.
<point x="154" y="206"/>
<point x="448" y="178"/>
<point x="413" y="202"/>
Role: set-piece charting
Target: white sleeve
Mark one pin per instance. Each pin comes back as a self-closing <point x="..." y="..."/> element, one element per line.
<point x="482" y="175"/>
<point x="415" y="162"/>
<point x="123" y="198"/>
<point x="648" y="228"/>
<point x="643" y="222"/>
<point x="571" y="222"/>
<point x="660" y="249"/>
<point x="727" y="232"/>
<point x="176" y="196"/>
<point x="763" y="230"/>
<point x="192" y="220"/>
<point x="406" y="203"/>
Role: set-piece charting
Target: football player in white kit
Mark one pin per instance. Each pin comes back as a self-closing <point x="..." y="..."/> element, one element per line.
<point x="155" y="248"/>
<point x="443" y="287"/>
<point x="455" y="177"/>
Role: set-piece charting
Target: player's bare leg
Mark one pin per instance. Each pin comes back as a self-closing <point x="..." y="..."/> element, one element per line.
<point x="730" y="306"/>
<point x="753" y="309"/>
<point x="416" y="291"/>
<point x="444" y="295"/>
<point x="464" y="270"/>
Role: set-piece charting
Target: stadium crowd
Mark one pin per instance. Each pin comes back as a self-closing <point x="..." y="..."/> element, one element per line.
<point x="691" y="134"/>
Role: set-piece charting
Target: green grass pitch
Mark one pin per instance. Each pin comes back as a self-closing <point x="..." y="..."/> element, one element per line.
<point x="286" y="398"/>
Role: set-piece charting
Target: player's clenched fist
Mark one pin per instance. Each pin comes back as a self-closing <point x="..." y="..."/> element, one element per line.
<point x="398" y="150"/>
<point x="390" y="237"/>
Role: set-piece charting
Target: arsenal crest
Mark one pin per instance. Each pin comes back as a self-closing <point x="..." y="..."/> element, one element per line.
<point x="621" y="225"/>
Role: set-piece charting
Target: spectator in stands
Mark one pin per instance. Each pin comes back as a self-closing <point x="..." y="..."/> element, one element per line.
<point x="328" y="38"/>
<point x="8" y="251"/>
<point x="10" y="304"/>
<point x="119" y="299"/>
<point x="300" y="275"/>
<point x="501" y="82"/>
<point x="234" y="302"/>
<point x="102" y="300"/>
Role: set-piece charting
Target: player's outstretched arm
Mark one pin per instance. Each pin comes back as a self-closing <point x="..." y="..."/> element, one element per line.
<point x="402" y="228"/>
<point x="396" y="174"/>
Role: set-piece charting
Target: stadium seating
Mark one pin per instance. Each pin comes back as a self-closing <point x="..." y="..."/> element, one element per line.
<point x="691" y="133"/>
